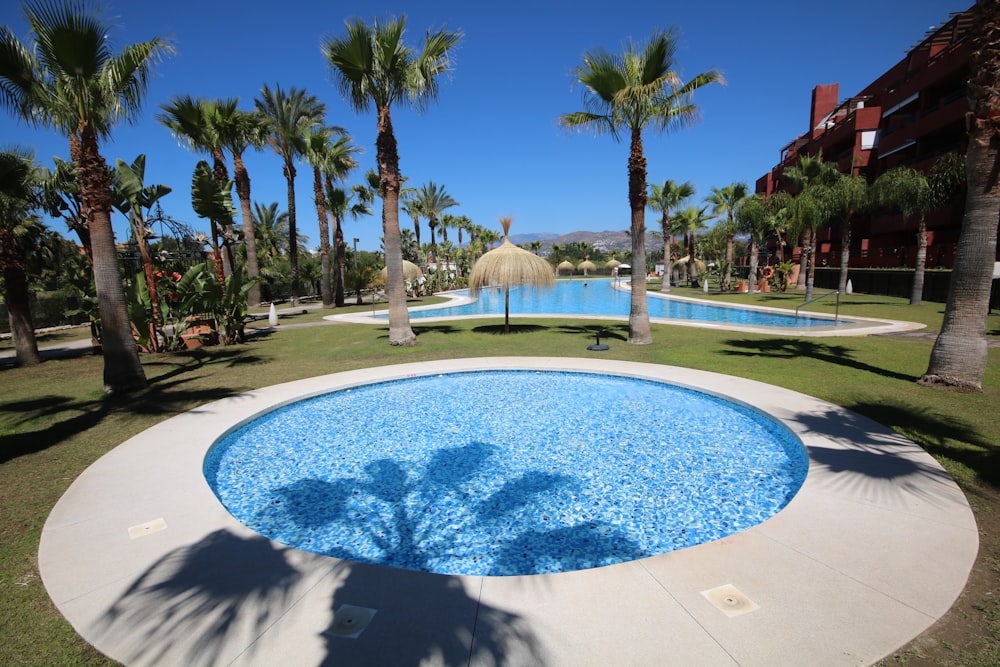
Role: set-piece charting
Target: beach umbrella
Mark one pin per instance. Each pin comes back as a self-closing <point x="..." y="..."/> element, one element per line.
<point x="586" y="266"/>
<point x="565" y="266"/>
<point x="612" y="264"/>
<point x="682" y="263"/>
<point x="509" y="266"/>
<point x="410" y="271"/>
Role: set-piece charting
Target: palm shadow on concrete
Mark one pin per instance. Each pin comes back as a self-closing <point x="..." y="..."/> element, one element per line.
<point x="870" y="461"/>
<point x="193" y="599"/>
<point x="789" y="348"/>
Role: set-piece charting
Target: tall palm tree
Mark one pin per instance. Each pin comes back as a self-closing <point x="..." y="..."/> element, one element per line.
<point x="724" y="201"/>
<point x="663" y="199"/>
<point x="70" y="79"/>
<point x="690" y="220"/>
<point x="21" y="236"/>
<point x="246" y="130"/>
<point x="356" y="201"/>
<point x="630" y="92"/>
<point x="959" y="356"/>
<point x="915" y="193"/>
<point x="288" y="116"/>
<point x="271" y="229"/>
<point x="434" y="200"/>
<point x="202" y="124"/>
<point x="332" y="158"/>
<point x="806" y="180"/>
<point x="751" y="218"/>
<point x="373" y="67"/>
<point x="846" y="196"/>
<point x="413" y="207"/>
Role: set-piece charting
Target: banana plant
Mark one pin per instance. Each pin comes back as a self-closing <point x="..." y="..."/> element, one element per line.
<point x="213" y="199"/>
<point x="133" y="199"/>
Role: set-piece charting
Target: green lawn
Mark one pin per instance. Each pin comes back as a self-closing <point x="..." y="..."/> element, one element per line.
<point x="55" y="421"/>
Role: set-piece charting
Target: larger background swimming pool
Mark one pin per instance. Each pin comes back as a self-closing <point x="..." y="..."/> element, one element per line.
<point x="601" y="297"/>
<point x="506" y="472"/>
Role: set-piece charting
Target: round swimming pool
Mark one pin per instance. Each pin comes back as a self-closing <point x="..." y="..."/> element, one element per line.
<point x="506" y="472"/>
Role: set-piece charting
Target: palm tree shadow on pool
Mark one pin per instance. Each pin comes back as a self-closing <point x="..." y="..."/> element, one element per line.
<point x="224" y="591"/>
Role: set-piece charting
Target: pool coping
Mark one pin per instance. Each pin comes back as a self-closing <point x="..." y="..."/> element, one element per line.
<point x="876" y="546"/>
<point x="860" y="326"/>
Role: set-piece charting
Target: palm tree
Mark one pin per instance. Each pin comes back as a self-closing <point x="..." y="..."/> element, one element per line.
<point x="413" y="207"/>
<point x="288" y="116"/>
<point x="246" y="130"/>
<point x="434" y="200"/>
<point x="959" y="356"/>
<point x="724" y="201"/>
<point x="271" y="228"/>
<point x="916" y="193"/>
<point x="751" y="218"/>
<point x="332" y="159"/>
<point x="71" y="80"/>
<point x="845" y="197"/>
<point x="373" y="67"/>
<point x="807" y="210"/>
<point x="663" y="199"/>
<point x="689" y="220"/>
<point x="202" y="125"/>
<point x="354" y="202"/>
<point x="21" y="236"/>
<point x="630" y="92"/>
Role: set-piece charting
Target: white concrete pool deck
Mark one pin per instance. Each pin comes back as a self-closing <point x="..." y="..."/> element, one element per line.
<point x="852" y="326"/>
<point x="149" y="567"/>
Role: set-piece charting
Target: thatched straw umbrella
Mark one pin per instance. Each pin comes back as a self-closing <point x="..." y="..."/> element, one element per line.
<point x="612" y="263"/>
<point x="509" y="266"/>
<point x="565" y="265"/>
<point x="682" y="263"/>
<point x="410" y="271"/>
<point x="586" y="266"/>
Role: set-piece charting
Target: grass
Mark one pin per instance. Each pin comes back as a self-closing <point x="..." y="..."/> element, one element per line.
<point x="55" y="421"/>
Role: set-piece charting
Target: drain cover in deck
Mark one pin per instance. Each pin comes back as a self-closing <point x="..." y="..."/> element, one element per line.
<point x="728" y="599"/>
<point x="350" y="621"/>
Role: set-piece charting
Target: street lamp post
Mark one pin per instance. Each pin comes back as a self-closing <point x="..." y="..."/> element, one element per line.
<point x="356" y="277"/>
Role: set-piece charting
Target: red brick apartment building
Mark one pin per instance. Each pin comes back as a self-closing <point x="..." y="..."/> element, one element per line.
<point x="912" y="114"/>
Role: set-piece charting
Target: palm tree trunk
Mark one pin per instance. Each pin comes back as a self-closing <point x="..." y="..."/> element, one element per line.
<point x="242" y="177"/>
<point x="752" y="278"/>
<point x="340" y="248"/>
<point x="729" y="260"/>
<point x="800" y="282"/>
<point x="325" y="287"/>
<point x="122" y="369"/>
<point x="387" y="155"/>
<point x="811" y="272"/>
<point x="667" y="242"/>
<point x="845" y="256"/>
<point x="293" y="239"/>
<point x="22" y="330"/>
<point x="917" y="291"/>
<point x="959" y="357"/>
<point x="639" y="332"/>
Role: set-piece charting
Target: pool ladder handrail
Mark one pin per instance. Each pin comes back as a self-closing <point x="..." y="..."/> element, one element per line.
<point x="836" y="312"/>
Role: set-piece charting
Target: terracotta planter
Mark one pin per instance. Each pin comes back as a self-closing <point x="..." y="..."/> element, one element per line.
<point x="742" y="286"/>
<point x="200" y="332"/>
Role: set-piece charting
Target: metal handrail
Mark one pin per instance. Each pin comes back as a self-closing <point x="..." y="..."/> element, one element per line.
<point x="836" y="316"/>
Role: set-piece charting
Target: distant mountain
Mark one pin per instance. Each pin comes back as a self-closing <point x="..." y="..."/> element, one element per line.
<point x="518" y="239"/>
<point x="603" y="241"/>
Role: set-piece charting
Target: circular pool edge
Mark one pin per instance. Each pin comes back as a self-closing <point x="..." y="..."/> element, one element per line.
<point x="877" y="545"/>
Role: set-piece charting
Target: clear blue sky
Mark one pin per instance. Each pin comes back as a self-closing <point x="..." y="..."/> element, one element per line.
<point x="492" y="139"/>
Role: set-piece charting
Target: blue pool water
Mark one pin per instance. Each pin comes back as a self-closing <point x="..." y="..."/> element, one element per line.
<point x="599" y="297"/>
<point x="506" y="472"/>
